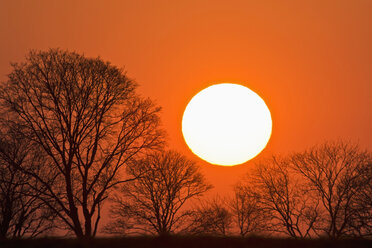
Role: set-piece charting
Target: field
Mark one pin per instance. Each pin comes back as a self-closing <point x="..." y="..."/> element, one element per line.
<point x="184" y="242"/>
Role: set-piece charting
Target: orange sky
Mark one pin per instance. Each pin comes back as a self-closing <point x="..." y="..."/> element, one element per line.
<point x="311" y="61"/>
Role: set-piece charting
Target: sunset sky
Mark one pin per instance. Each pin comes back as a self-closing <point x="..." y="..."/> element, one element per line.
<point x="311" y="61"/>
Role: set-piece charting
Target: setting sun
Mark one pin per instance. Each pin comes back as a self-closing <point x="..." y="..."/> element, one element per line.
<point x="226" y="124"/>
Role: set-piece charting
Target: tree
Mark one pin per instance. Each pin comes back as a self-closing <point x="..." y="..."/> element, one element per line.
<point x="22" y="213"/>
<point x="153" y="202"/>
<point x="361" y="218"/>
<point x="210" y="218"/>
<point x="340" y="175"/>
<point x="248" y="214"/>
<point x="86" y="116"/>
<point x="281" y="194"/>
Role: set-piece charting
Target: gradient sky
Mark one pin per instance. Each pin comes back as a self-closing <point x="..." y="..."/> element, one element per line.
<point x="311" y="61"/>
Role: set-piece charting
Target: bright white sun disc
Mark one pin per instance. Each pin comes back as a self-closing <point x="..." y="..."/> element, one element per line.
<point x="226" y="124"/>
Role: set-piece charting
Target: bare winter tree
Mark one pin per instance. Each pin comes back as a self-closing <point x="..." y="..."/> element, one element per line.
<point x="210" y="218"/>
<point x="22" y="213"/>
<point x="361" y="219"/>
<point x="248" y="214"/>
<point x="153" y="203"/>
<point x="85" y="115"/>
<point x="340" y="174"/>
<point x="290" y="208"/>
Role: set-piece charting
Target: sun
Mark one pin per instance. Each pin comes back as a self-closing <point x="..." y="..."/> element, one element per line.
<point x="226" y="124"/>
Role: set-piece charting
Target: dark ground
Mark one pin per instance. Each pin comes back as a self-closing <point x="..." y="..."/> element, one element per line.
<point x="185" y="242"/>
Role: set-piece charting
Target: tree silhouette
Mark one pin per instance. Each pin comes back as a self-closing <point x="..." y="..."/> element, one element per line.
<point x="248" y="214"/>
<point x="339" y="173"/>
<point x="283" y="197"/>
<point x="85" y="115"/>
<point x="153" y="203"/>
<point x="361" y="219"/>
<point x="210" y="217"/>
<point x="22" y="213"/>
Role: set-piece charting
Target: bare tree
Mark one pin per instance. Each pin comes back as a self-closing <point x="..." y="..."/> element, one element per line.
<point x="85" y="115"/>
<point x="290" y="208"/>
<point x="22" y="213"/>
<point x="153" y="203"/>
<point x="249" y="215"/>
<point x="336" y="172"/>
<point x="210" y="218"/>
<point x="361" y="218"/>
